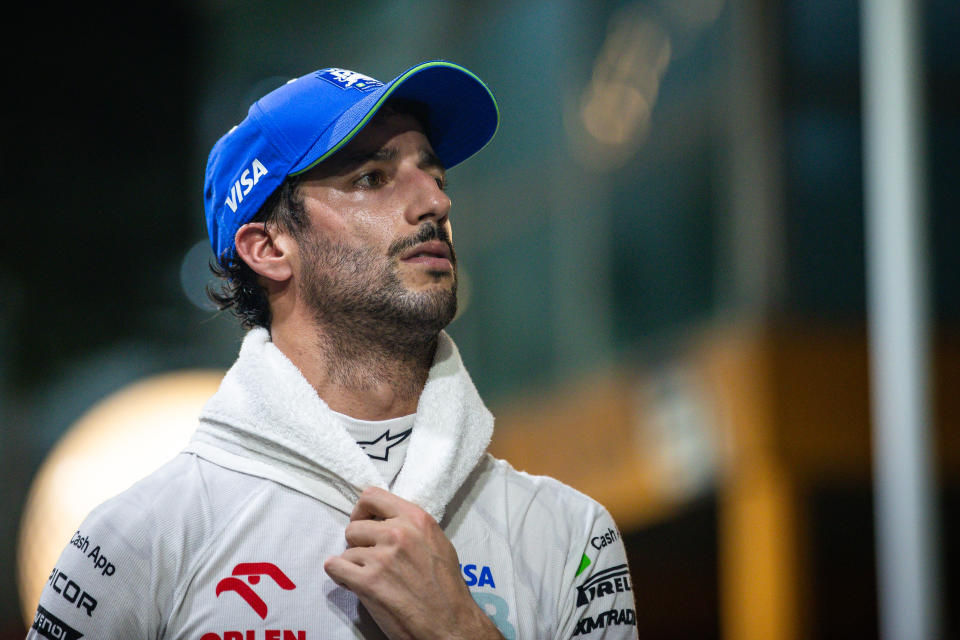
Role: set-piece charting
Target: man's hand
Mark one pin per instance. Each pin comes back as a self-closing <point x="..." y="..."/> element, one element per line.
<point x="405" y="572"/>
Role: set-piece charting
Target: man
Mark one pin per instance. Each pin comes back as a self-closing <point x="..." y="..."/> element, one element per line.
<point x="337" y="485"/>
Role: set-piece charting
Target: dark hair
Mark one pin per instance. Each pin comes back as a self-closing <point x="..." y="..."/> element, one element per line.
<point x="240" y="290"/>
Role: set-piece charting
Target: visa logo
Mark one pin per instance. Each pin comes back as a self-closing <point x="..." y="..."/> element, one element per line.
<point x="473" y="580"/>
<point x="246" y="182"/>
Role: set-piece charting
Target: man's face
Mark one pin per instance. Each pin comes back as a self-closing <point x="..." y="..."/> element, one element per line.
<point x="377" y="253"/>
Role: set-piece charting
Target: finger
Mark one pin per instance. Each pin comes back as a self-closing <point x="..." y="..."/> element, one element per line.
<point x="344" y="572"/>
<point x="360" y="556"/>
<point x="377" y="503"/>
<point x="364" y="533"/>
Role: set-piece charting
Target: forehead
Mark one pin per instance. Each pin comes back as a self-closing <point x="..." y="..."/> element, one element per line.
<point x="384" y="126"/>
<point x="377" y="135"/>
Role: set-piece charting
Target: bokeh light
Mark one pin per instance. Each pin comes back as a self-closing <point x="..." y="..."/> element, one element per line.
<point x="616" y="106"/>
<point x="116" y="443"/>
<point x="195" y="275"/>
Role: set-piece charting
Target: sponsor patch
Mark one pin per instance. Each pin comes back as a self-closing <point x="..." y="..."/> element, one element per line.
<point x="599" y="542"/>
<point x="253" y="571"/>
<point x="242" y="185"/>
<point x="605" y="620"/>
<point x="478" y="575"/>
<point x="96" y="555"/>
<point x="100" y="562"/>
<point x="50" y="626"/>
<point x="379" y="448"/>
<point x="584" y="563"/>
<point x="251" y="634"/>
<point x="498" y="611"/>
<point x="603" y="583"/>
<point x="72" y="592"/>
<point x="346" y="79"/>
<point x="80" y="541"/>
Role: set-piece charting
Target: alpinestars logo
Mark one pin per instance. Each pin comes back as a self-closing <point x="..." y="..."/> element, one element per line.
<point x="253" y="572"/>
<point x="380" y="448"/>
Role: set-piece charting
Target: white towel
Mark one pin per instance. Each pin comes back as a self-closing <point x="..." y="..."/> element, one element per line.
<point x="267" y="410"/>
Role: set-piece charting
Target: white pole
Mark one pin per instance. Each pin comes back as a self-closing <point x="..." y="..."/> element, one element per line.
<point x="904" y="500"/>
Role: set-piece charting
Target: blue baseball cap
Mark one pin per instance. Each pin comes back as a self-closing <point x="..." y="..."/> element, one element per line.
<point x="302" y="123"/>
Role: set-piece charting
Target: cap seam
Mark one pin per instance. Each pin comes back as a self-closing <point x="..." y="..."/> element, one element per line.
<point x="260" y="118"/>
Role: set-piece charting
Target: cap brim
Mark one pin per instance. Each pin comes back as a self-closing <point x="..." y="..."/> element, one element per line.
<point x="462" y="113"/>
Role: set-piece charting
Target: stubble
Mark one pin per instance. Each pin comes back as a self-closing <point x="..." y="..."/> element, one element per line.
<point x="372" y="327"/>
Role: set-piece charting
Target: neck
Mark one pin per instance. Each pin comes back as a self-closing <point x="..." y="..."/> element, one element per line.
<point x="366" y="375"/>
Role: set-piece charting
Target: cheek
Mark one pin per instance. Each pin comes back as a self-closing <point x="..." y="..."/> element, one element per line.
<point x="338" y="221"/>
<point x="366" y="233"/>
<point x="357" y="219"/>
<point x="358" y="213"/>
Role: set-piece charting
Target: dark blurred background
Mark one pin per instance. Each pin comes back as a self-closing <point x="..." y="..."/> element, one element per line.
<point x="662" y="248"/>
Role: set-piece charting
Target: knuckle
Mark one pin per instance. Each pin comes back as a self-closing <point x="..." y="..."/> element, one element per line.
<point x="388" y="555"/>
<point x="422" y="520"/>
<point x="352" y="528"/>
<point x="397" y="536"/>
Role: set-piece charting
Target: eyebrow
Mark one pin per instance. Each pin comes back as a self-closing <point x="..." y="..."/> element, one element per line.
<point x="381" y="154"/>
<point x="427" y="159"/>
<point x="430" y="160"/>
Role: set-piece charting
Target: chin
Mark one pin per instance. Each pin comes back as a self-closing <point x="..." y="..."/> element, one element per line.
<point x="433" y="281"/>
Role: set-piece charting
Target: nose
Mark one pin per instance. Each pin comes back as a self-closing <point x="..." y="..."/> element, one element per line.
<point x="428" y="201"/>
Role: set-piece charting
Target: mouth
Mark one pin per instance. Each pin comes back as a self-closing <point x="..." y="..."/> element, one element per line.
<point x="434" y="255"/>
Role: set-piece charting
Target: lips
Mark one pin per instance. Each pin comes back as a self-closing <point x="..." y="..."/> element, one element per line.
<point x="435" y="253"/>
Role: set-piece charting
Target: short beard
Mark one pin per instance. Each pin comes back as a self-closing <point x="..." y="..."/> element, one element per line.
<point x="361" y="306"/>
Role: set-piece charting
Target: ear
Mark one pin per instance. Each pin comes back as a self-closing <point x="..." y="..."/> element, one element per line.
<point x="267" y="251"/>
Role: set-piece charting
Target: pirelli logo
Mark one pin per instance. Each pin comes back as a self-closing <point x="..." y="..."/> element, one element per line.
<point x="607" y="582"/>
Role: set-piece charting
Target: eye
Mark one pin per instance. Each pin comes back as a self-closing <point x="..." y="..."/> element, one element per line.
<point x="442" y="182"/>
<point x="370" y="180"/>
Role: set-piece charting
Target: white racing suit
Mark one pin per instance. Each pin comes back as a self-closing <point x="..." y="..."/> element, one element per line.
<point x="228" y="540"/>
